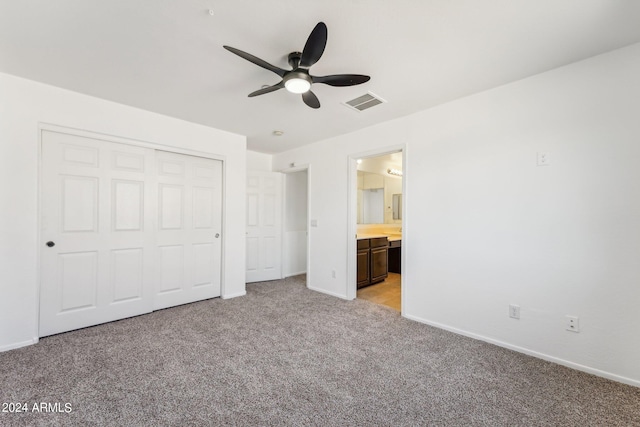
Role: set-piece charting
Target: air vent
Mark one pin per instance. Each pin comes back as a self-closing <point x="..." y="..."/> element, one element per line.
<point x="364" y="102"/>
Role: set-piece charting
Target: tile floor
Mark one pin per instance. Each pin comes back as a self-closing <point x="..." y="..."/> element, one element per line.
<point x="385" y="293"/>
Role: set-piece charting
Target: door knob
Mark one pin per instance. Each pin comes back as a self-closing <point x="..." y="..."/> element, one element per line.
<point x="217" y="235"/>
<point x="50" y="244"/>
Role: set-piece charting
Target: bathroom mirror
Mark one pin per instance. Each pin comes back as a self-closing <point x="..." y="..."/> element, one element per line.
<point x="375" y="203"/>
<point x="372" y="206"/>
<point x="397" y="206"/>
<point x="379" y="191"/>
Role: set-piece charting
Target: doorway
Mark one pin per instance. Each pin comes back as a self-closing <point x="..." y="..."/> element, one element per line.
<point x="377" y="217"/>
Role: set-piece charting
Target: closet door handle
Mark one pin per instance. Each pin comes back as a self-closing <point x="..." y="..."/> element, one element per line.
<point x="217" y="235"/>
<point x="50" y="244"/>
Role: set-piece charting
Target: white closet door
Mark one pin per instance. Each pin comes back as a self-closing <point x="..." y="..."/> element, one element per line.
<point x="97" y="231"/>
<point x="189" y="219"/>
<point x="264" y="226"/>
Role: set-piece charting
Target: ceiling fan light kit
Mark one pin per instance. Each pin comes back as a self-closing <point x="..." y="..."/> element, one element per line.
<point x="298" y="80"/>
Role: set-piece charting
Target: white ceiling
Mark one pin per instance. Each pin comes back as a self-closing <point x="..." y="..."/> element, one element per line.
<point x="167" y="56"/>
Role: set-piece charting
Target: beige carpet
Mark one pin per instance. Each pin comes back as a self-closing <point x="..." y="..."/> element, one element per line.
<point x="284" y="355"/>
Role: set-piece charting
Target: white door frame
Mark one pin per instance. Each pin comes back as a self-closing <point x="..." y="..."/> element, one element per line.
<point x="292" y="169"/>
<point x="42" y="127"/>
<point x="352" y="216"/>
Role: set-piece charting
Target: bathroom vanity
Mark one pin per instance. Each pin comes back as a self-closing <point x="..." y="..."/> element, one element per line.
<point x="372" y="260"/>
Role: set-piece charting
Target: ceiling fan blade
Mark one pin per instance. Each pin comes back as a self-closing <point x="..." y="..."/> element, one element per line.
<point x="315" y="45"/>
<point x="341" y="79"/>
<point x="259" y="62"/>
<point x="267" y="89"/>
<point x="311" y="99"/>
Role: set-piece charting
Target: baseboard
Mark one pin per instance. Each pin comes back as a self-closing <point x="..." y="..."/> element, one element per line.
<point x="13" y="346"/>
<point x="294" y="274"/>
<point x="543" y="356"/>
<point x="333" y="294"/>
<point x="237" y="294"/>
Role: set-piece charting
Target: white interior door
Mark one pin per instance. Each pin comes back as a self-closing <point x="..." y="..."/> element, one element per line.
<point x="264" y="226"/>
<point x="97" y="232"/>
<point x="124" y="230"/>
<point x="189" y="226"/>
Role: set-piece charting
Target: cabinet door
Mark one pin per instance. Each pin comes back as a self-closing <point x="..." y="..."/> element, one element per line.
<point x="378" y="264"/>
<point x="363" y="267"/>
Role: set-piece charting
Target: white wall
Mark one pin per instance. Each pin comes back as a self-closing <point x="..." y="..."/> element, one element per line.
<point x="23" y="105"/>
<point x="258" y="161"/>
<point x="486" y="227"/>
<point x="294" y="260"/>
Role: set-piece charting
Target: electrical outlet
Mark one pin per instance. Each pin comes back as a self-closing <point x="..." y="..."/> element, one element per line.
<point x="333" y="274"/>
<point x="543" y="159"/>
<point x="514" y="311"/>
<point x="572" y="324"/>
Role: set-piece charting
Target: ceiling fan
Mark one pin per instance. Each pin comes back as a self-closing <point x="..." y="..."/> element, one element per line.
<point x="298" y="79"/>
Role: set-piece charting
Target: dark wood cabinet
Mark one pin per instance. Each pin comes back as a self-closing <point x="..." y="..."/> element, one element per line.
<point x="372" y="261"/>
<point x="395" y="255"/>
<point x="378" y="264"/>
<point x="364" y="278"/>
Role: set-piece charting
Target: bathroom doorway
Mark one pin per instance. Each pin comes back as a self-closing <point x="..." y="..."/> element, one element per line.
<point x="379" y="218"/>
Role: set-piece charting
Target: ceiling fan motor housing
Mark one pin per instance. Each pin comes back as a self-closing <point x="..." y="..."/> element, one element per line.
<point x="294" y="59"/>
